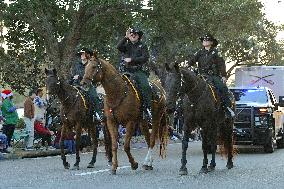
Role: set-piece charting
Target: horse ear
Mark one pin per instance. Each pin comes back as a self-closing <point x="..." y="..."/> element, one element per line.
<point x="54" y="71"/>
<point x="167" y="66"/>
<point x="95" y="54"/>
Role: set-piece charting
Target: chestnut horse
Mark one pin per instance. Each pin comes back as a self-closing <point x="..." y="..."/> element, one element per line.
<point x="123" y="106"/>
<point x="75" y="113"/>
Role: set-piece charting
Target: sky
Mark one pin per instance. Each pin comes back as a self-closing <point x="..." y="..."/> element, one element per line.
<point x="274" y="11"/>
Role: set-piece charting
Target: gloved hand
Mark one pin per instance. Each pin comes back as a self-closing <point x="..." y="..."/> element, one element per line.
<point x="224" y="79"/>
<point x="12" y="109"/>
<point x="1" y="118"/>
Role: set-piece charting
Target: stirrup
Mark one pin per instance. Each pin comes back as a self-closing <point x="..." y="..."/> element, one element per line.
<point x="231" y="112"/>
<point x="147" y="115"/>
<point x="97" y="117"/>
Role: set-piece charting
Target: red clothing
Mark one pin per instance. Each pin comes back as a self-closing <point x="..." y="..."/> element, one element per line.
<point x="40" y="129"/>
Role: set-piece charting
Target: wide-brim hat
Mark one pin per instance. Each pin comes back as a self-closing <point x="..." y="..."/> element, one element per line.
<point x="136" y="31"/>
<point x="85" y="50"/>
<point x="6" y="93"/>
<point x="209" y="37"/>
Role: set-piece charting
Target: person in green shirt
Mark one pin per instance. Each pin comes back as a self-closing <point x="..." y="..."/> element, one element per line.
<point x="9" y="113"/>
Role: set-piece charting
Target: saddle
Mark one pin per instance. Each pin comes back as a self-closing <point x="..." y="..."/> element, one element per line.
<point x="156" y="92"/>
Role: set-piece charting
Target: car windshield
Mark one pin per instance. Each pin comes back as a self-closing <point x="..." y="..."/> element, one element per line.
<point x="250" y="95"/>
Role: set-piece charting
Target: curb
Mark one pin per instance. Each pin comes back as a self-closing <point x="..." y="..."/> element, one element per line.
<point x="20" y="154"/>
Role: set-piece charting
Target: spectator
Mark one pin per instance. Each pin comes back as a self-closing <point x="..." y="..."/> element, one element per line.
<point x="3" y="143"/>
<point x="40" y="105"/>
<point x="29" y="112"/>
<point x="9" y="113"/>
<point x="69" y="142"/>
<point x="43" y="132"/>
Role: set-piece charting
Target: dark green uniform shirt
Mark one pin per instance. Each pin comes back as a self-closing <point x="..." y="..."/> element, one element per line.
<point x="209" y="62"/>
<point x="138" y="52"/>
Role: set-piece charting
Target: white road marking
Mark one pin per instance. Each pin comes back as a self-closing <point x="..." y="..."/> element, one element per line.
<point x="100" y="171"/>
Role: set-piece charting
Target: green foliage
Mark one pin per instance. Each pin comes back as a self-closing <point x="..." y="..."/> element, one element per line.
<point x="48" y="33"/>
<point x="20" y="124"/>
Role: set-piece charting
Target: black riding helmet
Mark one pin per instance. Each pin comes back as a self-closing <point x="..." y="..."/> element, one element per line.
<point x="209" y="37"/>
<point x="85" y="50"/>
<point x="137" y="31"/>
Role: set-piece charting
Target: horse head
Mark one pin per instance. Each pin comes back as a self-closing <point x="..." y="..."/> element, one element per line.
<point x="52" y="81"/>
<point x="93" y="71"/>
<point x="172" y="85"/>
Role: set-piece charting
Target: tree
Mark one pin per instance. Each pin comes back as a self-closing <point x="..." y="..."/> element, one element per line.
<point x="244" y="35"/>
<point x="50" y="31"/>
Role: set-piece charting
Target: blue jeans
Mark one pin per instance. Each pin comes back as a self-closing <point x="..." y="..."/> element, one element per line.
<point x="70" y="146"/>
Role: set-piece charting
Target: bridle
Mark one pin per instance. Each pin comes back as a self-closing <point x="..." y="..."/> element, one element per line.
<point x="98" y="68"/>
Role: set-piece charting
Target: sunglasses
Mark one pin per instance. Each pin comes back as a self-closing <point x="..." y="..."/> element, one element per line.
<point x="207" y="39"/>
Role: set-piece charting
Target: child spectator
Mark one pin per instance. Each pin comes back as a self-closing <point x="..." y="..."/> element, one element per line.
<point x="40" y="104"/>
<point x="69" y="142"/>
<point x="43" y="132"/>
<point x="3" y="143"/>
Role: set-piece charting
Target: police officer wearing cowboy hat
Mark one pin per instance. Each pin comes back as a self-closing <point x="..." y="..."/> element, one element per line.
<point x="77" y="74"/>
<point x="213" y="67"/>
<point x="135" y="57"/>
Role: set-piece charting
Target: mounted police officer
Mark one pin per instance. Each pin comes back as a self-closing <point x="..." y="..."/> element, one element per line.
<point x="213" y="67"/>
<point x="135" y="56"/>
<point x="77" y="73"/>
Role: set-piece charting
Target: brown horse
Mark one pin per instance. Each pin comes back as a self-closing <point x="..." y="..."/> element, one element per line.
<point x="75" y="113"/>
<point x="123" y="106"/>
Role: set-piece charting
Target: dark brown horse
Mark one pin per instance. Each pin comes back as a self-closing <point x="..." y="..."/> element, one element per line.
<point x="75" y="113"/>
<point x="123" y="106"/>
<point x="202" y="108"/>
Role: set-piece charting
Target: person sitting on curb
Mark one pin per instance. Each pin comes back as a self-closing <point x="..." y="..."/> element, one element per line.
<point x="3" y="143"/>
<point x="43" y="133"/>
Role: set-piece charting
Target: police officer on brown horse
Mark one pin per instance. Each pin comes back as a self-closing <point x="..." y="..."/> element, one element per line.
<point x="213" y="67"/>
<point x="135" y="56"/>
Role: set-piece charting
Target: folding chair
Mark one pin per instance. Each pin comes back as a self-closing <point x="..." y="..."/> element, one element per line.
<point x="19" y="137"/>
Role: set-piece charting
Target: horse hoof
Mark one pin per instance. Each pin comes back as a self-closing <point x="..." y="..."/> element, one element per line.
<point x="113" y="172"/>
<point x="230" y="165"/>
<point x="67" y="165"/>
<point x="91" y="165"/>
<point x="211" y="168"/>
<point x="134" y="166"/>
<point x="147" y="167"/>
<point x="203" y="170"/>
<point x="75" y="167"/>
<point x="183" y="171"/>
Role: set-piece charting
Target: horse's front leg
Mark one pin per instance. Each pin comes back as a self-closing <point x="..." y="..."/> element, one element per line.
<point x="130" y="127"/>
<point x="145" y="131"/>
<point x="204" y="168"/>
<point x="61" y="142"/>
<point x="114" y="135"/>
<point x="185" y="139"/>
<point x="78" y="144"/>
<point x="213" y="147"/>
<point x="93" y="130"/>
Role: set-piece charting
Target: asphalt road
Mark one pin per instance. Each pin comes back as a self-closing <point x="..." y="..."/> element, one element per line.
<point x="252" y="170"/>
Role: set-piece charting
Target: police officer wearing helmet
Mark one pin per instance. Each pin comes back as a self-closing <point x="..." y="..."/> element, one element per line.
<point x="213" y="67"/>
<point x="135" y="56"/>
<point x="77" y="73"/>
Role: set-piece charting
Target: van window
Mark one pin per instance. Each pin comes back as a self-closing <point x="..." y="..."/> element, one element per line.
<point x="250" y="95"/>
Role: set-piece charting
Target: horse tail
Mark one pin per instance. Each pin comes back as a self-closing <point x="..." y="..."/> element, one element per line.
<point x="226" y="140"/>
<point x="163" y="134"/>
